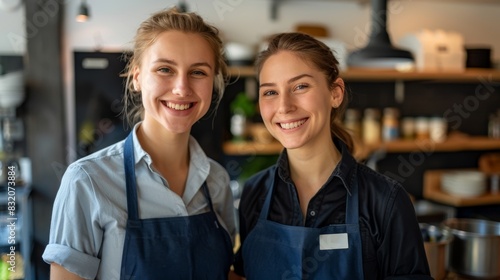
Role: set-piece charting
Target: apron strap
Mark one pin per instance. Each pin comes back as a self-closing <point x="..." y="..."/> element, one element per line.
<point x="206" y="192"/>
<point x="267" y="203"/>
<point x="352" y="205"/>
<point x="129" y="163"/>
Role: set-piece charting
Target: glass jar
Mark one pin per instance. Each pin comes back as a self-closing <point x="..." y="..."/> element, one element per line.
<point x="390" y="124"/>
<point x="422" y="128"/>
<point x="371" y="126"/>
<point x="494" y="126"/>
<point x="408" y="128"/>
<point x="352" y="122"/>
<point x="438" y="129"/>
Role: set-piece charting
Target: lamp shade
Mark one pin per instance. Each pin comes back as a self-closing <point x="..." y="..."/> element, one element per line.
<point x="379" y="52"/>
<point x="83" y="12"/>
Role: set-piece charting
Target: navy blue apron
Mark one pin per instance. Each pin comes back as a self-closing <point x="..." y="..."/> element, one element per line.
<point x="187" y="247"/>
<point x="276" y="251"/>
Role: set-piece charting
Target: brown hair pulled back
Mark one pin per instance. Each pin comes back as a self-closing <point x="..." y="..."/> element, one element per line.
<point x="320" y="56"/>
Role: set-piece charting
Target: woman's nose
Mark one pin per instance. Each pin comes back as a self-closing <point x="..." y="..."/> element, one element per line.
<point x="285" y="104"/>
<point x="181" y="85"/>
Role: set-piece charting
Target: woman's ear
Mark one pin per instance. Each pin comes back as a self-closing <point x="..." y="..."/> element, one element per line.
<point x="135" y="79"/>
<point x="337" y="93"/>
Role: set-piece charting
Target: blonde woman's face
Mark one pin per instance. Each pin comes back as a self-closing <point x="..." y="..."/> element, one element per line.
<point x="175" y="78"/>
<point x="295" y="101"/>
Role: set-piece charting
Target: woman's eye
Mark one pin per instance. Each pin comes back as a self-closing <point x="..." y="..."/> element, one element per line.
<point x="199" y="73"/>
<point x="301" y="86"/>
<point x="164" y="70"/>
<point x="269" y="93"/>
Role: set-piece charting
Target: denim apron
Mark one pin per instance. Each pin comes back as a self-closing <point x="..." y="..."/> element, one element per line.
<point x="276" y="251"/>
<point x="187" y="247"/>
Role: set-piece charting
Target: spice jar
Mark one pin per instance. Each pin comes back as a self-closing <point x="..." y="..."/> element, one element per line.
<point x="352" y="122"/>
<point x="371" y="126"/>
<point x="494" y="126"/>
<point x="438" y="129"/>
<point x="408" y="128"/>
<point x="422" y="128"/>
<point x="390" y="124"/>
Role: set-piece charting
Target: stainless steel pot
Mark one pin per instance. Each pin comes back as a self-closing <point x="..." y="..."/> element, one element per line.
<point x="475" y="248"/>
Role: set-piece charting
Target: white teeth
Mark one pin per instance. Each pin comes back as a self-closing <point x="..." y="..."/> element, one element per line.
<point x="178" y="107"/>
<point x="292" y="124"/>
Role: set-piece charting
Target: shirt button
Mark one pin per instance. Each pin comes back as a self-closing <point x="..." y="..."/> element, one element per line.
<point x="312" y="213"/>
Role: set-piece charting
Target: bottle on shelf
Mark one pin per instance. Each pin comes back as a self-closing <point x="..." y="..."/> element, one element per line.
<point x="438" y="129"/>
<point x="390" y="124"/>
<point x="422" y="128"/>
<point x="371" y="126"/>
<point x="408" y="128"/>
<point x="494" y="125"/>
<point x="352" y="122"/>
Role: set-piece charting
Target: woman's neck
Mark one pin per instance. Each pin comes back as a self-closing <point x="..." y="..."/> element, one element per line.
<point x="310" y="169"/>
<point x="163" y="146"/>
<point x="169" y="154"/>
<point x="314" y="167"/>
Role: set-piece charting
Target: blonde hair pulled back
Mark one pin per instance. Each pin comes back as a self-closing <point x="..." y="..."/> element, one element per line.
<point x="146" y="35"/>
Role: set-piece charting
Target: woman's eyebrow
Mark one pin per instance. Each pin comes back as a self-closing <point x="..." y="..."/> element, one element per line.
<point x="172" y="62"/>
<point x="291" y="80"/>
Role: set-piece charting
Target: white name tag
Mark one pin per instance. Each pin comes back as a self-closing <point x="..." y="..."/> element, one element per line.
<point x="333" y="241"/>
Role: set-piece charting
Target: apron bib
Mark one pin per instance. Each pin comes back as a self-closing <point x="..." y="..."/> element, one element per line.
<point x="276" y="251"/>
<point x="188" y="247"/>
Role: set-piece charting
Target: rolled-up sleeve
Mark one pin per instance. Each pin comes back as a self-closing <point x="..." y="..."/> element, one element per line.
<point x="75" y="233"/>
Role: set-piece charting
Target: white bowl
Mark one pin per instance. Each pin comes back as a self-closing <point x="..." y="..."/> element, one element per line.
<point x="464" y="183"/>
<point x="12" y="81"/>
<point x="238" y="52"/>
<point x="11" y="99"/>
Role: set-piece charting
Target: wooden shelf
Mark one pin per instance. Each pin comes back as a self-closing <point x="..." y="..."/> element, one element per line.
<point x="251" y="148"/>
<point x="452" y="144"/>
<point x="359" y="74"/>
<point x="241" y="71"/>
<point x="432" y="191"/>
<point x="468" y="75"/>
<point x="455" y="143"/>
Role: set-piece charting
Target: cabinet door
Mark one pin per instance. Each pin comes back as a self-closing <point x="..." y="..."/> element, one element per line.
<point x="98" y="101"/>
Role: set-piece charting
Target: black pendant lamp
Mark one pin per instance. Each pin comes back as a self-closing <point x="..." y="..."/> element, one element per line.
<point x="182" y="7"/>
<point x="83" y="12"/>
<point x="379" y="52"/>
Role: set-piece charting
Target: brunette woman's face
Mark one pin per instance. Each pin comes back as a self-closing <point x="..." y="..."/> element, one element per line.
<point x="295" y="101"/>
<point x="175" y="78"/>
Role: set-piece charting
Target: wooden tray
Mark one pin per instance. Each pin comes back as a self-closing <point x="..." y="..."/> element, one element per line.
<point x="432" y="191"/>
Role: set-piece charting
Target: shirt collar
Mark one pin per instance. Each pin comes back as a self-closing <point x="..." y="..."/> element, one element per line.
<point x="345" y="169"/>
<point x="139" y="153"/>
<point x="197" y="160"/>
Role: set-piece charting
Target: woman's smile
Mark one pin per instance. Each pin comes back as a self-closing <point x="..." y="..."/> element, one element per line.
<point x="292" y="124"/>
<point x="178" y="106"/>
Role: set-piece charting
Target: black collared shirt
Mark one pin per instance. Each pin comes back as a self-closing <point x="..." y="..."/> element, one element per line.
<point x="391" y="239"/>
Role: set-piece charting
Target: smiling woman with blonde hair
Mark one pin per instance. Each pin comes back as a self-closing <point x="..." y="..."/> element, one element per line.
<point x="152" y="206"/>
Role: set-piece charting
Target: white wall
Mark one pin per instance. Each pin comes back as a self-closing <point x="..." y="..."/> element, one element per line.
<point x="12" y="30"/>
<point x="248" y="21"/>
<point x="113" y="23"/>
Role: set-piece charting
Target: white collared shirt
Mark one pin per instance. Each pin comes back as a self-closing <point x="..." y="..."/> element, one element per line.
<point x="90" y="210"/>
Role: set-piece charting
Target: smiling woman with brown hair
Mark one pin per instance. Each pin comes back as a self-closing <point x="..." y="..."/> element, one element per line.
<point x="317" y="213"/>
